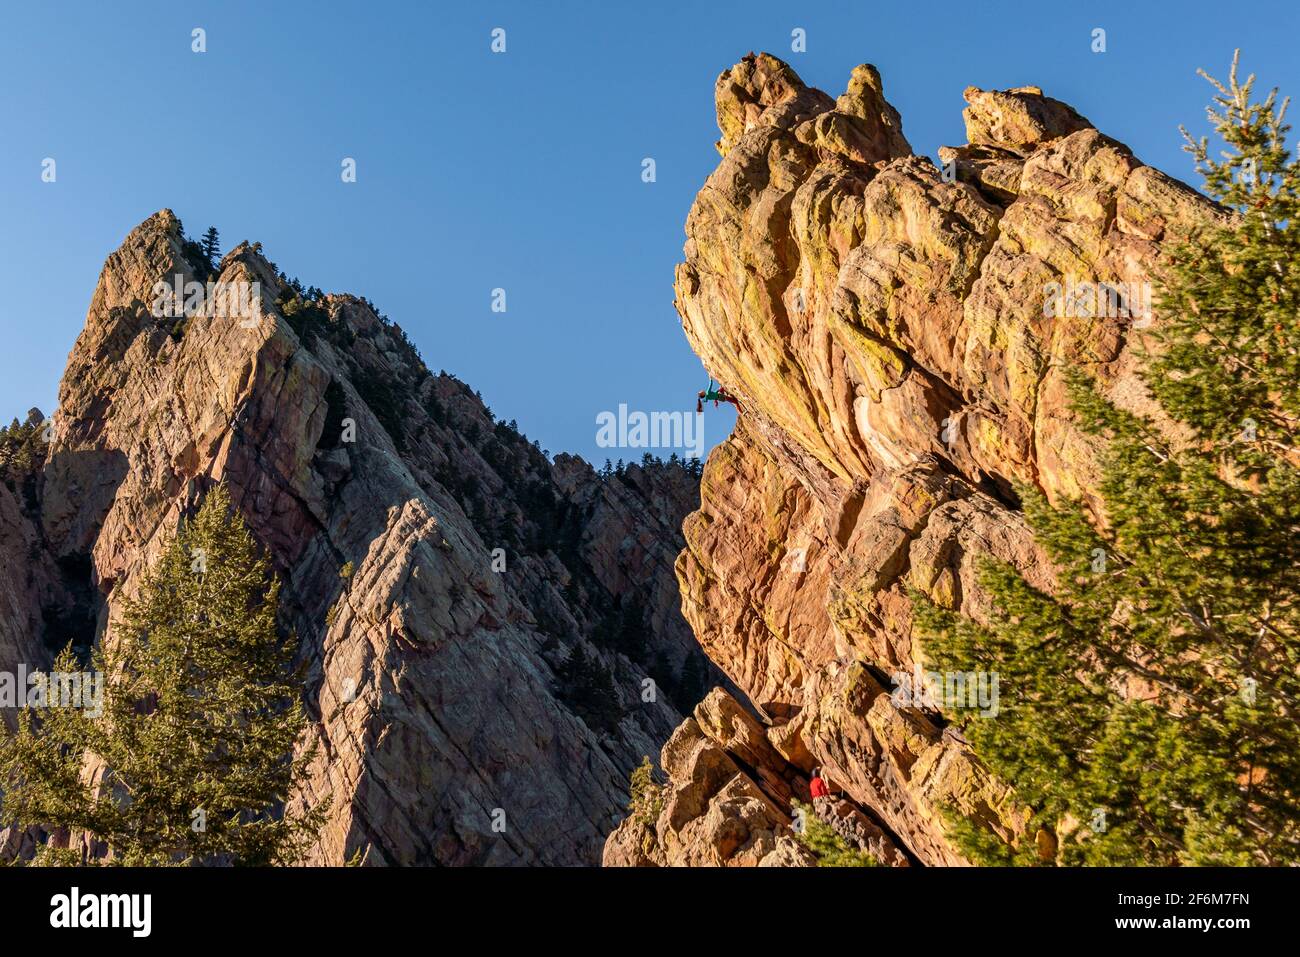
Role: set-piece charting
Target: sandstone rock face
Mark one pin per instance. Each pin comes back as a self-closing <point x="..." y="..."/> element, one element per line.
<point x="27" y="576"/>
<point x="21" y="622"/>
<point x="857" y="830"/>
<point x="882" y="321"/>
<point x="436" y="566"/>
<point x="726" y="802"/>
<point x="38" y="597"/>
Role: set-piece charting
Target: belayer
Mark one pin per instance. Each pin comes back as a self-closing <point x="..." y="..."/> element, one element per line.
<point x="817" y="786"/>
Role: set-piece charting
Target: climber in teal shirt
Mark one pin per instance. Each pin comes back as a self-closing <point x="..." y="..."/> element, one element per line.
<point x="715" y="395"/>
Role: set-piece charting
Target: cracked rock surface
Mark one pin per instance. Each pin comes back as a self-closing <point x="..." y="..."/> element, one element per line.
<point x="882" y="325"/>
<point x="445" y="737"/>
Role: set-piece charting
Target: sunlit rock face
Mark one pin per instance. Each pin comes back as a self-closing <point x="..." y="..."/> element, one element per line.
<point x="437" y="567"/>
<point x="894" y="332"/>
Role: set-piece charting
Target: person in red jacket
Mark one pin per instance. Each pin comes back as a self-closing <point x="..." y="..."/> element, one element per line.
<point x="818" y="786"/>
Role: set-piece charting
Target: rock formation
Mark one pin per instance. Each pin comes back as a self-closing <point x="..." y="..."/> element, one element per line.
<point x="882" y="320"/>
<point x="437" y="568"/>
<point x="727" y="800"/>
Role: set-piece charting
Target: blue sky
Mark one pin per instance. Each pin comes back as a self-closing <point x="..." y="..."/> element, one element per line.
<point x="519" y="170"/>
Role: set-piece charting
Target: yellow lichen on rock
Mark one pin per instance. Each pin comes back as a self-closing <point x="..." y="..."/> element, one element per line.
<point x="889" y="328"/>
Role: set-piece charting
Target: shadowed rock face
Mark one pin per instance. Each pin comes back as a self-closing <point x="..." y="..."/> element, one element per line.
<point x="432" y="670"/>
<point x="883" y="326"/>
<point x="27" y="576"/>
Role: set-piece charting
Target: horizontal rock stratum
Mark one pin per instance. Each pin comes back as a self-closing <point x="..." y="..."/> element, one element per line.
<point x="883" y="326"/>
<point x="445" y="738"/>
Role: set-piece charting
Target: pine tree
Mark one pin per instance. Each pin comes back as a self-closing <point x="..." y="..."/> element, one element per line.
<point x="22" y="450"/>
<point x="198" y="724"/>
<point x="211" y="246"/>
<point x="645" y="797"/>
<point x="631" y="636"/>
<point x="693" y="684"/>
<point x="1149" y="705"/>
<point x="660" y="669"/>
<point x="830" y="849"/>
<point x="586" y="684"/>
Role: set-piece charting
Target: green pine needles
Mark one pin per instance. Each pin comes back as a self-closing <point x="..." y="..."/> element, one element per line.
<point x="1149" y="705"/>
<point x="189" y="757"/>
<point x="826" y="844"/>
<point x="645" y="797"/>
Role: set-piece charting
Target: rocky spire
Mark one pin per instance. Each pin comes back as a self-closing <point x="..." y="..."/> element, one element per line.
<point x="884" y="321"/>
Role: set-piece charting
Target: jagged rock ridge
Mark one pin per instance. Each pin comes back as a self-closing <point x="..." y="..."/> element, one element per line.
<point x="885" y="331"/>
<point x="432" y="672"/>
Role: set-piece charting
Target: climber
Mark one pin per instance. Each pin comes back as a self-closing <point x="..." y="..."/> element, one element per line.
<point x="817" y="787"/>
<point x="715" y="395"/>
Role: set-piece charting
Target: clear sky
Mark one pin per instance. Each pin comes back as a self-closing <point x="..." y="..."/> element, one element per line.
<point x="519" y="170"/>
